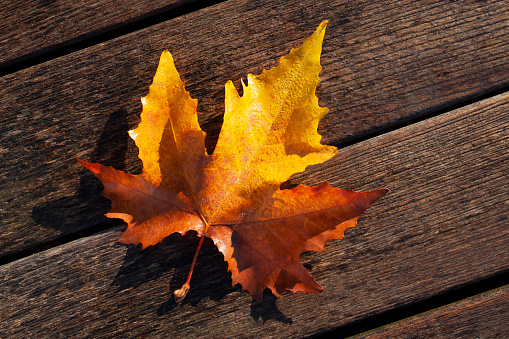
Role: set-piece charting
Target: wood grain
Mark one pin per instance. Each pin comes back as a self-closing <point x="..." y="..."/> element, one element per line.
<point x="383" y="63"/>
<point x="30" y="28"/>
<point x="443" y="225"/>
<point x="483" y="316"/>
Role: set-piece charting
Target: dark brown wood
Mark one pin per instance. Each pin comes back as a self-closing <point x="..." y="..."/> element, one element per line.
<point x="382" y="63"/>
<point x="443" y="225"/>
<point x="483" y="316"/>
<point x="32" y="27"/>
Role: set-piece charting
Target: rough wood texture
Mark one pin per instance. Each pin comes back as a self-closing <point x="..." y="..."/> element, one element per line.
<point x="383" y="62"/>
<point x="32" y="27"/>
<point x="443" y="225"/>
<point x="483" y="316"/>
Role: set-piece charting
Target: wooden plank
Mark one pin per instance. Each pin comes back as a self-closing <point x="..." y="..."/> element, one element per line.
<point x="443" y="225"/>
<point x="29" y="28"/>
<point x="380" y="67"/>
<point x="483" y="316"/>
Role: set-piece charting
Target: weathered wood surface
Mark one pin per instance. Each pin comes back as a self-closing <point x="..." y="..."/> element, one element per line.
<point x="482" y="316"/>
<point x="383" y="63"/>
<point x="443" y="225"/>
<point x="29" y="28"/>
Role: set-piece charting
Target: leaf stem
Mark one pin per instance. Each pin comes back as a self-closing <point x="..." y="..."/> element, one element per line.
<point x="181" y="293"/>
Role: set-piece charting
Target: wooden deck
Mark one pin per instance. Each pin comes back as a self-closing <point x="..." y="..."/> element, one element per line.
<point x="418" y="98"/>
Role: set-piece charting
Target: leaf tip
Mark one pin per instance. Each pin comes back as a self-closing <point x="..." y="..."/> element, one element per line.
<point x="373" y="196"/>
<point x="132" y="133"/>
<point x="382" y="191"/>
<point x="322" y="26"/>
<point x="166" y="54"/>
<point x="320" y="31"/>
<point x="94" y="168"/>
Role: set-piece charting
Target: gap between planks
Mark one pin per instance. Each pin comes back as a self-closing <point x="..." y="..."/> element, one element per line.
<point x="485" y="315"/>
<point x="406" y="248"/>
<point x="369" y="82"/>
<point x="111" y="224"/>
<point x="65" y="43"/>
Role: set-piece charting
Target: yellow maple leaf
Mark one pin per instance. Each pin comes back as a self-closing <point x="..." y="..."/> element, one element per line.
<point x="233" y="196"/>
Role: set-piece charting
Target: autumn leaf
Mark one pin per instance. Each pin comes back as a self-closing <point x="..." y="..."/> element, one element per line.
<point x="233" y="196"/>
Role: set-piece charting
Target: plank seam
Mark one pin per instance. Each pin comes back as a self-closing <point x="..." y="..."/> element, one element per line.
<point x="58" y="240"/>
<point x="423" y="115"/>
<point x="103" y="35"/>
<point x="446" y="298"/>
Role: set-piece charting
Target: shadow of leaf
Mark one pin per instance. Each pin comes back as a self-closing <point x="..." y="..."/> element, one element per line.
<point x="174" y="255"/>
<point x="210" y="278"/>
<point x="268" y="310"/>
<point x="86" y="208"/>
